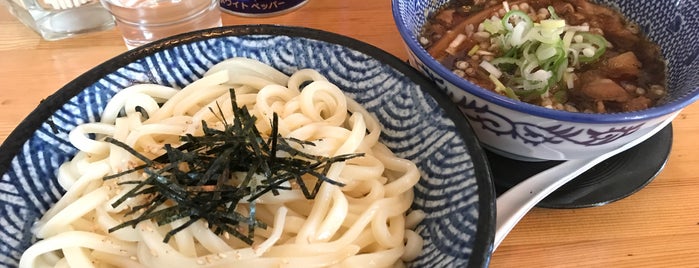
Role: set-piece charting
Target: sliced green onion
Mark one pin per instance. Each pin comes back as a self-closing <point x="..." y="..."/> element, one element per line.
<point x="552" y="24"/>
<point x="537" y="55"/>
<point x="598" y="42"/>
<point x="504" y="60"/>
<point x="552" y="11"/>
<point x="541" y="75"/>
<point x="516" y="14"/>
<point x="568" y="39"/>
<point x="506" y="64"/>
<point x="518" y="35"/>
<point x="501" y="88"/>
<point x="545" y="52"/>
<point x="548" y="31"/>
<point x="528" y="52"/>
<point x="569" y="77"/>
<point x="533" y="88"/>
<point x="579" y="28"/>
<point x="494" y="71"/>
<point x="493" y="26"/>
<point x="575" y="58"/>
<point x="473" y="50"/>
<point x="559" y="69"/>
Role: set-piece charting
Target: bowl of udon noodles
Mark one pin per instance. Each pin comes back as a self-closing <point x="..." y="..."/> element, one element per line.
<point x="246" y="146"/>
<point x="556" y="80"/>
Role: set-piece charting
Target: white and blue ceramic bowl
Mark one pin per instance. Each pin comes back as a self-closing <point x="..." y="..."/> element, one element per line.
<point x="419" y="122"/>
<point x="526" y="131"/>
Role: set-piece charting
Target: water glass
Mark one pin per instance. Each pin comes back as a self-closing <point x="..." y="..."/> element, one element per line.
<point x="144" y="21"/>
<point x="59" y="19"/>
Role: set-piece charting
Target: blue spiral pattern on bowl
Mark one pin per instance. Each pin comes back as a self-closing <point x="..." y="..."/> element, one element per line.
<point x="414" y="127"/>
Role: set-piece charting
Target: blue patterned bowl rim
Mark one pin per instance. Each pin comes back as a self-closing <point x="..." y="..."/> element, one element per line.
<point x="482" y="247"/>
<point x="674" y="105"/>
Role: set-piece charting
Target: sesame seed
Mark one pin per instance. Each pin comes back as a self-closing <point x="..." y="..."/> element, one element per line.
<point x="424" y="41"/>
<point x="657" y="90"/>
<point x="570" y="108"/>
<point x="462" y="64"/>
<point x="481" y="36"/>
<point x="524" y="6"/>
<point x="470" y="71"/>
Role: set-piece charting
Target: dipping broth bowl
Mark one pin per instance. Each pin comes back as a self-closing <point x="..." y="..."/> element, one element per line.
<point x="528" y="132"/>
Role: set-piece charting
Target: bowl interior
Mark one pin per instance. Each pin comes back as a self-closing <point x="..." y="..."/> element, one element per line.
<point x="418" y="123"/>
<point x="671" y="24"/>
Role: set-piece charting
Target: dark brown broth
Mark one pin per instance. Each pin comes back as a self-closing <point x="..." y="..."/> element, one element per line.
<point x="644" y="89"/>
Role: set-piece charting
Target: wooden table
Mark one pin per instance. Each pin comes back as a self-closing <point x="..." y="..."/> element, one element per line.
<point x="656" y="227"/>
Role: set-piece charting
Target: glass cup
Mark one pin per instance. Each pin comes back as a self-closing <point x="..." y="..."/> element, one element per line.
<point x="144" y="21"/>
<point x="59" y="19"/>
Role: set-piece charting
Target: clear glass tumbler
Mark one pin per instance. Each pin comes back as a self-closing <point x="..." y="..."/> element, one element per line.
<point x="144" y="21"/>
<point x="59" y="19"/>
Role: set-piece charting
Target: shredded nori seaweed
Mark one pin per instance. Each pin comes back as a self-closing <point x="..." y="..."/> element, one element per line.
<point x="196" y="179"/>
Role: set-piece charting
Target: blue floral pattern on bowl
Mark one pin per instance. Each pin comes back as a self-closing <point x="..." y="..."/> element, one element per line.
<point x="528" y="131"/>
<point x="418" y="123"/>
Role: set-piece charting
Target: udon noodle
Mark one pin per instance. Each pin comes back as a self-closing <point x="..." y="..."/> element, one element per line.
<point x="366" y="223"/>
